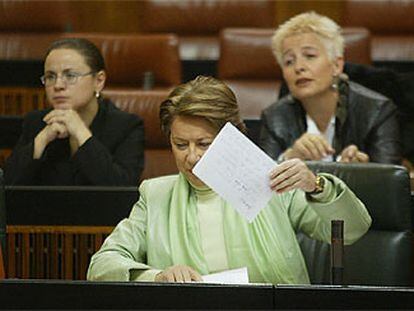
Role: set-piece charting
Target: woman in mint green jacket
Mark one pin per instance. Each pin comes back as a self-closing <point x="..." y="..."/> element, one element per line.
<point x="180" y="229"/>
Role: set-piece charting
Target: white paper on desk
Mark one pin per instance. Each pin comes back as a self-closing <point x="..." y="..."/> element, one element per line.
<point x="238" y="170"/>
<point x="235" y="276"/>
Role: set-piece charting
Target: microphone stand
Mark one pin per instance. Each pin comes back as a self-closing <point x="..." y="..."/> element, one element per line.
<point x="337" y="252"/>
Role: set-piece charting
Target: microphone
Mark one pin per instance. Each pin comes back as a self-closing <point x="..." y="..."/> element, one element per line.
<point x="148" y="80"/>
<point x="337" y="252"/>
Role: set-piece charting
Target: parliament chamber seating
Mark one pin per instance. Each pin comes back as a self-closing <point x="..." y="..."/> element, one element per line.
<point x="52" y="231"/>
<point x="391" y="25"/>
<point x="198" y="22"/>
<point x="128" y="58"/>
<point x="248" y="66"/>
<point x="48" y="242"/>
<point x="49" y="248"/>
<point x="384" y="256"/>
<point x="24" y="46"/>
<point x="24" y="39"/>
<point x="26" y="30"/>
<point x="158" y="156"/>
<point x="41" y="16"/>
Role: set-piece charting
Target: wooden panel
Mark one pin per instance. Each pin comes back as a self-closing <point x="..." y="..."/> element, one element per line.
<point x="52" y="252"/>
<point x="21" y="100"/>
<point x="108" y="16"/>
<point x="288" y="9"/>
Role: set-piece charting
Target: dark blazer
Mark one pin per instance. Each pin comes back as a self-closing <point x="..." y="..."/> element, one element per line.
<point x="114" y="155"/>
<point x="371" y="124"/>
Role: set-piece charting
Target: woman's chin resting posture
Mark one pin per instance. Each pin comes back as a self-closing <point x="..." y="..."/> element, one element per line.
<point x="83" y="139"/>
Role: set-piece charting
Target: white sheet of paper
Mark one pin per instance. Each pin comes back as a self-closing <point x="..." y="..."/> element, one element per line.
<point x="238" y="170"/>
<point x="235" y="276"/>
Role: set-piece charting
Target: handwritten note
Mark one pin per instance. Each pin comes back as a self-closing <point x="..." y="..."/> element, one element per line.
<point x="238" y="170"/>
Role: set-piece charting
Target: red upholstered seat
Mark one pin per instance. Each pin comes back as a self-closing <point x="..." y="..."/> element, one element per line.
<point x="391" y="24"/>
<point x="198" y="22"/>
<point x="128" y="56"/>
<point x="158" y="157"/>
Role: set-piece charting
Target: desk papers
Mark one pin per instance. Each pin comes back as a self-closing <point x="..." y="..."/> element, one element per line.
<point x="234" y="276"/>
<point x="238" y="170"/>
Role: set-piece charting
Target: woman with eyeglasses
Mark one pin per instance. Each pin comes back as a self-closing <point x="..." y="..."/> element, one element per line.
<point x="83" y="139"/>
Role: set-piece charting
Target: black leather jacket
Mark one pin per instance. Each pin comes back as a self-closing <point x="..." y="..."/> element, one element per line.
<point x="371" y="124"/>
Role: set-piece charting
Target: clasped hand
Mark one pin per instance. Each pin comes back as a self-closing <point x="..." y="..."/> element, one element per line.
<point x="352" y="154"/>
<point x="309" y="147"/>
<point x="62" y="123"/>
<point x="315" y="147"/>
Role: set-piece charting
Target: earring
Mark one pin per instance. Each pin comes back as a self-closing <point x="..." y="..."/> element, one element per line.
<point x="97" y="94"/>
<point x="335" y="82"/>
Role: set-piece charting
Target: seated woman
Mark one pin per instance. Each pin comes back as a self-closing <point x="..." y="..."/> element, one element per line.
<point x="180" y="229"/>
<point x="325" y="117"/>
<point x="83" y="139"/>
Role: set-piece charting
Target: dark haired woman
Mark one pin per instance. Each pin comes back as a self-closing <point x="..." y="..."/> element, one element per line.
<point x="83" y="139"/>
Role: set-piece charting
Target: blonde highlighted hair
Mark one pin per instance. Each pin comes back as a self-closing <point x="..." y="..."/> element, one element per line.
<point x="203" y="97"/>
<point x="325" y="28"/>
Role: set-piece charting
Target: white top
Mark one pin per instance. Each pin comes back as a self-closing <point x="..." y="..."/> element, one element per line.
<point x="328" y="134"/>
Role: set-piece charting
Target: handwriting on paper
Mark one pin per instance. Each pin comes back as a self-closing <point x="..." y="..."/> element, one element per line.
<point x="238" y="170"/>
